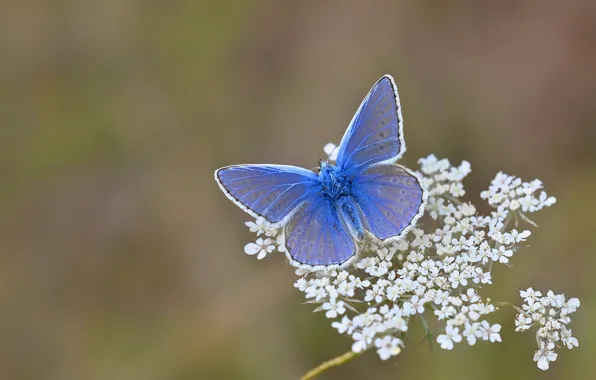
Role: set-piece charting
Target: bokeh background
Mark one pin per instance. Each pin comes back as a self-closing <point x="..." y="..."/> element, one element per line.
<point x="121" y="259"/>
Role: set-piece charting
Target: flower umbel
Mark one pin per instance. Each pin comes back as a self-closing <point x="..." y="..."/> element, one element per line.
<point x="437" y="269"/>
<point x="550" y="314"/>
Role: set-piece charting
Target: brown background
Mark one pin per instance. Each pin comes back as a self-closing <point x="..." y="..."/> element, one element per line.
<point x="121" y="259"/>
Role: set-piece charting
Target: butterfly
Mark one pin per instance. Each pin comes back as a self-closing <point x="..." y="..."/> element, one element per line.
<point x="326" y="216"/>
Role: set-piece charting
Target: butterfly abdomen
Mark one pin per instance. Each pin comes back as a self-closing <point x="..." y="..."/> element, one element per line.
<point x="352" y="216"/>
<point x="337" y="188"/>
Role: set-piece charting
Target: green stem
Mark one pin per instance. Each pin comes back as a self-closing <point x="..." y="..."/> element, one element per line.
<point x="330" y="363"/>
<point x="505" y="303"/>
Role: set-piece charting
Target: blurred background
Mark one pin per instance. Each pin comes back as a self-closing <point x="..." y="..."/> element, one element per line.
<point x="121" y="259"/>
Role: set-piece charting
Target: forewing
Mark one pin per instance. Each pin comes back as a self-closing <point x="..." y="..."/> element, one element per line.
<point x="375" y="133"/>
<point x="391" y="199"/>
<point x="271" y="191"/>
<point x="316" y="236"/>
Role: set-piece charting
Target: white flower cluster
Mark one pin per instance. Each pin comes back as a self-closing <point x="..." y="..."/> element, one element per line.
<point x="433" y="271"/>
<point x="264" y="246"/>
<point x="513" y="194"/>
<point x="551" y="313"/>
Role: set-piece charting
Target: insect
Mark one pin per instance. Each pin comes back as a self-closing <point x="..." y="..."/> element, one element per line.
<point x="326" y="216"/>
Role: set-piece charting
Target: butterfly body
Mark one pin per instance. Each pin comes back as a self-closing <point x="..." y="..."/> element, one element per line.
<point x="338" y="188"/>
<point x="325" y="217"/>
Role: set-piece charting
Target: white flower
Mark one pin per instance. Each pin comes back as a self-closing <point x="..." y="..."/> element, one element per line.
<point x="414" y="306"/>
<point x="397" y="322"/>
<point x="522" y="322"/>
<point x="457" y="279"/>
<point x="502" y="254"/>
<point x="441" y="297"/>
<point x="470" y="296"/>
<point x="440" y="233"/>
<point x="300" y="284"/>
<point x="516" y="236"/>
<point x="567" y="339"/>
<point x="529" y="293"/>
<point x="257" y="226"/>
<point x="334" y="308"/>
<point x="455" y="301"/>
<point x="331" y="150"/>
<point x="358" y="283"/>
<point x="436" y="207"/>
<point x="445" y="312"/>
<point x="471" y="332"/>
<point x="361" y="342"/>
<point x="346" y="289"/>
<point x="393" y="292"/>
<point x="420" y="239"/>
<point x="457" y="189"/>
<point x="489" y="332"/>
<point x="388" y="346"/>
<point x="545" y="355"/>
<point x="346" y="325"/>
<point x="528" y="203"/>
<point x="260" y="248"/>
<point x="431" y="164"/>
<point x="451" y="335"/>
<point x="315" y="291"/>
<point x="570" y="306"/>
<point x="376" y="294"/>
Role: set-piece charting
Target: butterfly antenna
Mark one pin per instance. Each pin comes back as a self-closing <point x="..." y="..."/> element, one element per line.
<point x="333" y="151"/>
<point x="319" y="167"/>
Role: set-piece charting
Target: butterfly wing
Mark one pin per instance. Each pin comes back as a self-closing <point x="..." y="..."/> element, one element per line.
<point x="273" y="192"/>
<point x="391" y="199"/>
<point x="375" y="134"/>
<point x="316" y="236"/>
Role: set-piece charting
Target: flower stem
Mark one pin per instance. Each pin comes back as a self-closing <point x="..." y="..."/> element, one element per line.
<point x="330" y="363"/>
<point x="505" y="303"/>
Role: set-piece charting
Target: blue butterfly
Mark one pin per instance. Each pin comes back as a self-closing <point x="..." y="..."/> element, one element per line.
<point x="324" y="216"/>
